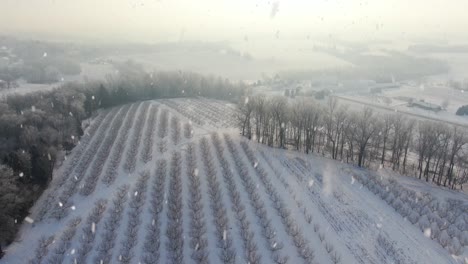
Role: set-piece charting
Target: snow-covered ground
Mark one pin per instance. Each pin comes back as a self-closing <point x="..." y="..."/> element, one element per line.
<point x="171" y="181"/>
<point x="377" y="103"/>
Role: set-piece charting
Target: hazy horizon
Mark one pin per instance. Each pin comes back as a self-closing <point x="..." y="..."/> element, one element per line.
<point x="243" y="20"/>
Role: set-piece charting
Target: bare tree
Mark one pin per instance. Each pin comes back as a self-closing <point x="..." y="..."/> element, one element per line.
<point x="244" y="117"/>
<point x="386" y="128"/>
<point x="331" y="123"/>
<point x="365" y="129"/>
<point x="459" y="140"/>
<point x="279" y="108"/>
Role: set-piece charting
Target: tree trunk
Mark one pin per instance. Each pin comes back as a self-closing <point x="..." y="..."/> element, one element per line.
<point x="361" y="156"/>
<point x="383" y="151"/>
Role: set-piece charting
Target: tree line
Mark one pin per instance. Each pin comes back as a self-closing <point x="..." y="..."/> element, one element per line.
<point x="36" y="129"/>
<point x="462" y="110"/>
<point x="426" y="149"/>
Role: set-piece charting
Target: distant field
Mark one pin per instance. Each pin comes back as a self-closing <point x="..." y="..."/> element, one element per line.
<point x="233" y="66"/>
<point x="429" y="93"/>
<point x="171" y="181"/>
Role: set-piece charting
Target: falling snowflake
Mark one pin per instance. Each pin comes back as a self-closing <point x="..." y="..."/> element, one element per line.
<point x="72" y="251"/>
<point x="224" y="234"/>
<point x="60" y="204"/>
<point x="352" y="180"/>
<point x="44" y="55"/>
<point x="311" y="183"/>
<point x="21" y="174"/>
<point x="246" y="100"/>
<point x="427" y="232"/>
<point x="255" y="164"/>
<point x="72" y="137"/>
<point x="33" y="108"/>
<point x="136" y="193"/>
<point x="92" y="97"/>
<point x="93" y="227"/>
<point x="73" y="207"/>
<point x="195" y="172"/>
<point x="29" y="220"/>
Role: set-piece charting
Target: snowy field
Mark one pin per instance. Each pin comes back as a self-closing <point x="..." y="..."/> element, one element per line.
<point x="432" y="93"/>
<point x="379" y="103"/>
<point x="171" y="181"/>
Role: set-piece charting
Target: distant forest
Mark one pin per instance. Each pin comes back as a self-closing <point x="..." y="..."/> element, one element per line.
<point x="36" y="128"/>
<point x="36" y="61"/>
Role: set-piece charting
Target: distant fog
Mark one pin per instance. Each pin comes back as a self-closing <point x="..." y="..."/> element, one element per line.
<point x="242" y="39"/>
<point x="248" y="21"/>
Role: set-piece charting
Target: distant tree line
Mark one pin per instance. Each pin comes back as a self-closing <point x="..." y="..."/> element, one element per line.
<point x="458" y="85"/>
<point x="36" y="128"/>
<point x="462" y="111"/>
<point x="37" y="61"/>
<point x="429" y="150"/>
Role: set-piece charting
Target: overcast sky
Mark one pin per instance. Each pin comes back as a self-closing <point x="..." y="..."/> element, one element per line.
<point x="160" y="20"/>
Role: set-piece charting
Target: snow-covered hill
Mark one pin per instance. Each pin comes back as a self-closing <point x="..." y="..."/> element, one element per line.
<point x="171" y="181"/>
